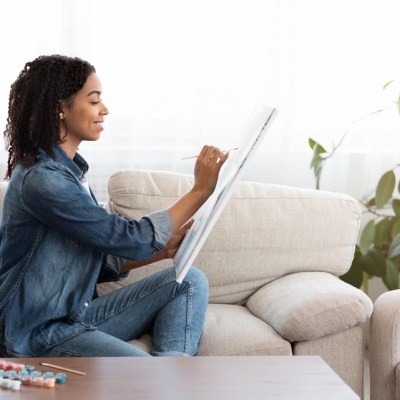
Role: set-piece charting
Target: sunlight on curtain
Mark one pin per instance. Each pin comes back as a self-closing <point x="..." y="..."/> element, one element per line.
<point x="178" y="74"/>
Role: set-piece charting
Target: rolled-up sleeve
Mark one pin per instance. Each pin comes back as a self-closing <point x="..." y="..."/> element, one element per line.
<point x="162" y="226"/>
<point x="113" y="265"/>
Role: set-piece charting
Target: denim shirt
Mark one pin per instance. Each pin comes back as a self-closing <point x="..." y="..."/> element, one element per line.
<point x="56" y="243"/>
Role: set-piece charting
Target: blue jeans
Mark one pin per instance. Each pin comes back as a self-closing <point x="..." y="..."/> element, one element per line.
<point x="173" y="313"/>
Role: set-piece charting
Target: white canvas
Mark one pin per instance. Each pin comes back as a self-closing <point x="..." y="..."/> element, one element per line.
<point x="252" y="134"/>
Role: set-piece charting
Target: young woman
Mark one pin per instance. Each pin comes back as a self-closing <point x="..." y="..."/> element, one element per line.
<point x="56" y="243"/>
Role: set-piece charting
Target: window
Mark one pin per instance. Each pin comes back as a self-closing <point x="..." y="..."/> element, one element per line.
<point x="178" y="74"/>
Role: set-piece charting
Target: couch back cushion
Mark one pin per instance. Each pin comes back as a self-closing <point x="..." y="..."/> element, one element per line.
<point x="265" y="232"/>
<point x="3" y="189"/>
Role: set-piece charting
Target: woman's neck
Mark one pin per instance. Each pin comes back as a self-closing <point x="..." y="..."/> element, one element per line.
<point x="69" y="148"/>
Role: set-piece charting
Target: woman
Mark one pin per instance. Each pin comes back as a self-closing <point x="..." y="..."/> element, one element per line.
<point x="56" y="243"/>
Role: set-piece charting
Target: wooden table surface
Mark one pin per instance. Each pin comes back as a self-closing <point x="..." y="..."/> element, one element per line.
<point x="202" y="378"/>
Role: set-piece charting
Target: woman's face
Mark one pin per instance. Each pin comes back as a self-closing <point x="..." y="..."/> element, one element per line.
<point x="83" y="119"/>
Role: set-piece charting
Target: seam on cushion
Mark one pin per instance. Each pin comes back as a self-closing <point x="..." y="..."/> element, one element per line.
<point x="125" y="194"/>
<point x="128" y="191"/>
<point x="258" y="350"/>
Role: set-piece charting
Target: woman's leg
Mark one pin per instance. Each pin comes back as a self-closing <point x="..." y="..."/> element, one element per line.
<point x="174" y="313"/>
<point x="178" y="326"/>
<point x="94" y="344"/>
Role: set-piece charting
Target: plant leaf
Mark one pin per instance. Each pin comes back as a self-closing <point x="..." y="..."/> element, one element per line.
<point x="395" y="228"/>
<point x="387" y="84"/>
<point x="316" y="147"/>
<point x="394" y="247"/>
<point x="385" y="188"/>
<point x="382" y="232"/>
<point x="367" y="237"/>
<point x="396" y="206"/>
<point x="354" y="275"/>
<point x="317" y="164"/>
<point x="317" y="150"/>
<point x="318" y="160"/>
<point x="374" y="263"/>
<point x="391" y="277"/>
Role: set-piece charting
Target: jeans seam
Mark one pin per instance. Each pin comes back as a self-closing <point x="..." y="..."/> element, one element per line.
<point x="70" y="352"/>
<point x="188" y="317"/>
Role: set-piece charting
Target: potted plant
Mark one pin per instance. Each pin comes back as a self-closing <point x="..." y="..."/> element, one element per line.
<point x="378" y="250"/>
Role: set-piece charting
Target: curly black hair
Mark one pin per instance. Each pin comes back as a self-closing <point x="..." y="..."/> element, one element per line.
<point x="35" y="105"/>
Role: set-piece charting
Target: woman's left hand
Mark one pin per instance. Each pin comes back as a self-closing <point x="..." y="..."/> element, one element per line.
<point x="176" y="238"/>
<point x="168" y="251"/>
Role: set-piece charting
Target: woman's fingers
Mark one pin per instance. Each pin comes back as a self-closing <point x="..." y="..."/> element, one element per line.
<point x="213" y="155"/>
<point x="206" y="170"/>
<point x="223" y="158"/>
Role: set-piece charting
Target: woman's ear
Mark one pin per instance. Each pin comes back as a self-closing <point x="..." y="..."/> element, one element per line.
<point x="60" y="109"/>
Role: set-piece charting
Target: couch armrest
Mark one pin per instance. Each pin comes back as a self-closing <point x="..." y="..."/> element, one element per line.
<point x="384" y="345"/>
<point x="309" y="305"/>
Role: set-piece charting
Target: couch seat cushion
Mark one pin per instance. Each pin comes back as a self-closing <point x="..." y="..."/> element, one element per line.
<point x="232" y="330"/>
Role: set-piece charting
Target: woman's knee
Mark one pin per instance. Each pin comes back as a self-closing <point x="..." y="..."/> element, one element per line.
<point x="197" y="279"/>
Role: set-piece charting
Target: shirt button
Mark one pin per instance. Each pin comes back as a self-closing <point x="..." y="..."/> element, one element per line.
<point x="86" y="304"/>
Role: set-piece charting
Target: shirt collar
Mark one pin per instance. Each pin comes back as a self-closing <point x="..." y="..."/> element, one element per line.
<point x="78" y="165"/>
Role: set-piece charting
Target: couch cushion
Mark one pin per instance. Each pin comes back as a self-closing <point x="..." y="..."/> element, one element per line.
<point x="309" y="305"/>
<point x="3" y="189"/>
<point x="265" y="232"/>
<point x="232" y="330"/>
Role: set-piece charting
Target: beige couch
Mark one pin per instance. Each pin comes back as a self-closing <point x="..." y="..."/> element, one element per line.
<point x="272" y="261"/>
<point x="384" y="347"/>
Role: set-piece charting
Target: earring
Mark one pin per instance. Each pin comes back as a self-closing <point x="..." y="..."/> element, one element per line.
<point x="61" y="115"/>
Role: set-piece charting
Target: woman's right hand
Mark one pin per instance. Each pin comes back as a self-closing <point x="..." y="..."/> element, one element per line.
<point x="206" y="171"/>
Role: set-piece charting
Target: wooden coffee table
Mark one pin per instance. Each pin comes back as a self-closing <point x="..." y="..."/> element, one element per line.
<point x="203" y="378"/>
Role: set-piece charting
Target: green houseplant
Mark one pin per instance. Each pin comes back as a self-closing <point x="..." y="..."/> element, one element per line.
<point x="378" y="250"/>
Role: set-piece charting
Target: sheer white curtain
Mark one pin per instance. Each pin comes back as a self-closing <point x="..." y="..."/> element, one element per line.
<point x="181" y="73"/>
